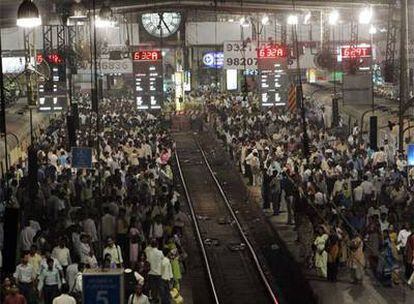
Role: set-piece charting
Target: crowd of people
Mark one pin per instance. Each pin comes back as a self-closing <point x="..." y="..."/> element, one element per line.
<point x="123" y="213"/>
<point x="351" y="205"/>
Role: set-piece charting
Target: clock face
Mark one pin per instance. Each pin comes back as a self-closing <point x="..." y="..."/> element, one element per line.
<point x="161" y="24"/>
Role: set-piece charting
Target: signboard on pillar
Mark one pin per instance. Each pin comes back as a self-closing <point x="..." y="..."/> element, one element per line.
<point x="240" y="55"/>
<point x="105" y="287"/>
<point x="272" y="63"/>
<point x="148" y="76"/>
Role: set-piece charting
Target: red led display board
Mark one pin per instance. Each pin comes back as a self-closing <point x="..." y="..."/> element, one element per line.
<point x="147" y="56"/>
<point x="51" y="58"/>
<point x="356" y="52"/>
<point x="272" y="51"/>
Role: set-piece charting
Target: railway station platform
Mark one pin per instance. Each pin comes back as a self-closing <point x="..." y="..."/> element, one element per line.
<point x="343" y="291"/>
<point x="18" y="128"/>
<point x="385" y="109"/>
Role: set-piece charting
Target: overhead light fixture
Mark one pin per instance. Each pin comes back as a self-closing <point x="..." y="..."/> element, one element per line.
<point x="78" y="10"/>
<point x="244" y="22"/>
<point x="265" y="20"/>
<point x="292" y="20"/>
<point x="333" y="17"/>
<point x="383" y="30"/>
<point x="365" y="15"/>
<point x="307" y="18"/>
<point x="28" y="15"/>
<point x="372" y="30"/>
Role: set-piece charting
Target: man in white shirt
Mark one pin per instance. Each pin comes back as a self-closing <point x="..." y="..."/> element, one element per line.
<point x="26" y="236"/>
<point x="71" y="273"/>
<point x="108" y="224"/>
<point x="64" y="298"/>
<point x="379" y="158"/>
<point x="56" y="264"/>
<point x="49" y="282"/>
<point x="154" y="257"/>
<point x="402" y="237"/>
<point x="166" y="277"/>
<point x="25" y="276"/>
<point x="115" y="251"/>
<point x="62" y="254"/>
<point x="367" y="188"/>
<point x="384" y="224"/>
<point x="89" y="228"/>
<point x="401" y="163"/>
<point x="75" y="289"/>
<point x="358" y="193"/>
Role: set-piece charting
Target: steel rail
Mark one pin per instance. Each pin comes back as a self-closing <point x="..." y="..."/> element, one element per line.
<point x="240" y="228"/>
<point x="197" y="229"/>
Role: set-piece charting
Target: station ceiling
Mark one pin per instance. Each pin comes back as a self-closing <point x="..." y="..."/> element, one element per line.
<point x="8" y="8"/>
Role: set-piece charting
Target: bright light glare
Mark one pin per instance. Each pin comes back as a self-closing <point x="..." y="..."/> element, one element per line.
<point x="28" y="22"/>
<point x="244" y="22"/>
<point x="104" y="23"/>
<point x="307" y="18"/>
<point x="333" y="17"/>
<point x="265" y="20"/>
<point x="292" y="19"/>
<point x="365" y="16"/>
<point x="372" y="30"/>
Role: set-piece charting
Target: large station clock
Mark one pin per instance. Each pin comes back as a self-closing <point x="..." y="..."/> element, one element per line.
<point x="161" y="25"/>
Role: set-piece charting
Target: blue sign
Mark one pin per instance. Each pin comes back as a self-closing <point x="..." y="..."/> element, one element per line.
<point x="102" y="288"/>
<point x="410" y="154"/>
<point x="213" y="60"/>
<point x="82" y="158"/>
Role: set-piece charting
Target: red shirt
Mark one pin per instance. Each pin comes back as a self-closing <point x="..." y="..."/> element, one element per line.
<point x="15" y="299"/>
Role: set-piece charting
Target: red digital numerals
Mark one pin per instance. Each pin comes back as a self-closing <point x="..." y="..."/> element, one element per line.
<point x="147" y="56"/>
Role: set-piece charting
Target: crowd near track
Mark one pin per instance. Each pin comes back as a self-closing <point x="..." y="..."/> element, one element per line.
<point x="234" y="271"/>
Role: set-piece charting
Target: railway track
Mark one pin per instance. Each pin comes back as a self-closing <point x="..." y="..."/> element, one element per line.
<point x="235" y="272"/>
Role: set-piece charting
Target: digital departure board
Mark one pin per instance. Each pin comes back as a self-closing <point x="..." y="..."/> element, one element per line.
<point x="354" y="52"/>
<point x="53" y="90"/>
<point x="272" y="52"/>
<point x="50" y="58"/>
<point x="148" y="75"/>
<point x="273" y="80"/>
<point x="273" y="86"/>
<point x="147" y="56"/>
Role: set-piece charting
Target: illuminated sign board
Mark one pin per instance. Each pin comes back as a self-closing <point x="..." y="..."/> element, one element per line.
<point x="52" y="90"/>
<point x="273" y="83"/>
<point x="50" y="58"/>
<point x="213" y="60"/>
<point x="231" y="80"/>
<point x="148" y="75"/>
<point x="272" y="51"/>
<point x="147" y="55"/>
<point x="410" y="155"/>
<point x="348" y="52"/>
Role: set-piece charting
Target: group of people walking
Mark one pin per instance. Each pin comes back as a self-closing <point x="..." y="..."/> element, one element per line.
<point x="122" y="213"/>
